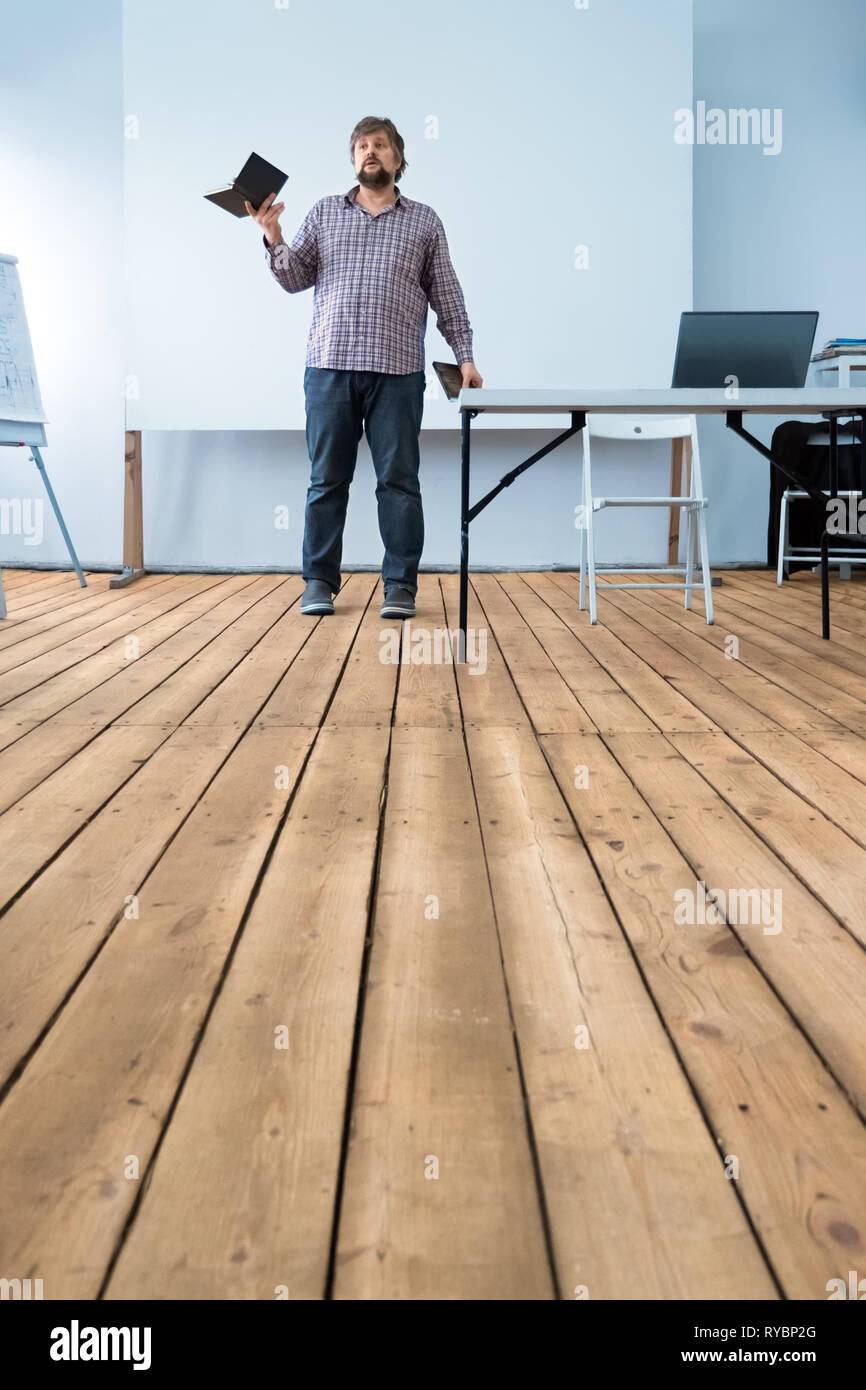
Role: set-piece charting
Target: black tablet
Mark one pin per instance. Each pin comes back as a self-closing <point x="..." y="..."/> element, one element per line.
<point x="451" y="377"/>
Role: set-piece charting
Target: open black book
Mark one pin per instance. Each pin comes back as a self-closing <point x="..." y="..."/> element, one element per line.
<point x="256" y="180"/>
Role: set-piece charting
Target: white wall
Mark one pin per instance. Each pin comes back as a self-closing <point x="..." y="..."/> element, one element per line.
<point x="554" y="128"/>
<point x="768" y="232"/>
<point x="781" y="231"/>
<point x="580" y="99"/>
<point x="529" y="129"/>
<point x="61" y="214"/>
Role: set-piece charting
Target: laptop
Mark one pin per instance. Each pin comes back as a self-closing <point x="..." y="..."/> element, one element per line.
<point x="760" y="349"/>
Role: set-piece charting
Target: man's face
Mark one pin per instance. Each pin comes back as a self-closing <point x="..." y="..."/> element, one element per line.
<point x="375" y="160"/>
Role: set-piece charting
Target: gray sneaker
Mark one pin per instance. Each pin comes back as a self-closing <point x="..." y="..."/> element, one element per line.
<point x="399" y="603"/>
<point x="317" y="597"/>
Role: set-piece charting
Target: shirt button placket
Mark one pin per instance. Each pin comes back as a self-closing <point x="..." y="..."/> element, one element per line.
<point x="363" y="332"/>
<point x="362" y="313"/>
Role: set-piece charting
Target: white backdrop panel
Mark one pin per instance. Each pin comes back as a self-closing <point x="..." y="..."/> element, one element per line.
<point x="531" y="129"/>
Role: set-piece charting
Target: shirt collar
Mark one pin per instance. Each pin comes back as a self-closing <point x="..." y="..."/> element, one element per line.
<point x="352" y="196"/>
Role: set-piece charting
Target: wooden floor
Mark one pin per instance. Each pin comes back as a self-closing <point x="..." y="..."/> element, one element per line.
<point x="329" y="976"/>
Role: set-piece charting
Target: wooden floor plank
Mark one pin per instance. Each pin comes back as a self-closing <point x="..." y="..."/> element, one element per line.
<point x="631" y="1173"/>
<point x="794" y="616"/>
<point x="72" y="671"/>
<point x="655" y="639"/>
<point x="235" y="671"/>
<point x="845" y="749"/>
<point x="30" y="757"/>
<point x="753" y="654"/>
<point x="757" y="1076"/>
<point x="437" y="1103"/>
<point x="435" y="876"/>
<point x="43" y="821"/>
<point x="438" y="1107"/>
<point x="305" y="690"/>
<point x="841" y="668"/>
<point x="25" y="621"/>
<point x="604" y="699"/>
<point x="42" y="581"/>
<point x="568" y="966"/>
<point x="803" y="762"/>
<point x="808" y="842"/>
<point x="654" y="635"/>
<point x="816" y="779"/>
<point x="364" y="698"/>
<point x="51" y="932"/>
<point x="85" y="887"/>
<point x="814" y="966"/>
<point x="103" y="1080"/>
<point x="656" y="703"/>
<point x="100" y="622"/>
<point x="804" y="587"/>
<point x="488" y="696"/>
<point x="552" y="705"/>
<point x="428" y="694"/>
<point x="13" y="576"/>
<point x="801" y="614"/>
<point x="764" y="695"/>
<point x="241" y="1200"/>
<point x="68" y="653"/>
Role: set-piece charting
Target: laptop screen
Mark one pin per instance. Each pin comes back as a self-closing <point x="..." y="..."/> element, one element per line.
<point x="759" y="349"/>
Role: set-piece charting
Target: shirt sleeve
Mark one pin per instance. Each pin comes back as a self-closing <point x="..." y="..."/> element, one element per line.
<point x="295" y="267"/>
<point x="440" y="284"/>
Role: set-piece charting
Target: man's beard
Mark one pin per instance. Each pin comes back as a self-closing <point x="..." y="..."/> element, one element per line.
<point x="373" y="177"/>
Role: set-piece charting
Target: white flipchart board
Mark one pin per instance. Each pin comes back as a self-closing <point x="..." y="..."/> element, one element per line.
<point x="20" y="398"/>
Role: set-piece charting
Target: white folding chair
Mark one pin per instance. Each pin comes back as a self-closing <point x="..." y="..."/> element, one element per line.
<point x="693" y="506"/>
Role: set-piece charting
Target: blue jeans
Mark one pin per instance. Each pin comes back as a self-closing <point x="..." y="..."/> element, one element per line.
<point x="340" y="404"/>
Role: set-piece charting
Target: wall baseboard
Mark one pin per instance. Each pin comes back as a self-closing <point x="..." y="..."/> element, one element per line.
<point x="102" y="568"/>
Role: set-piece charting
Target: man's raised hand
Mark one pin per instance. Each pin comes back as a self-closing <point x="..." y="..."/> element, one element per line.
<point x="268" y="218"/>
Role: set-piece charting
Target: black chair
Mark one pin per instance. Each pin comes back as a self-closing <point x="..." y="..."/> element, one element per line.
<point x="796" y="519"/>
<point x="851" y="539"/>
<point x="817" y="473"/>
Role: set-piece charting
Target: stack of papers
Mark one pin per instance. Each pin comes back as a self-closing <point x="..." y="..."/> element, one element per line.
<point x="841" y="347"/>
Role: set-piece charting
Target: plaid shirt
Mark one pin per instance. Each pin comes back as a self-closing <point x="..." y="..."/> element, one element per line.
<point x="373" y="279"/>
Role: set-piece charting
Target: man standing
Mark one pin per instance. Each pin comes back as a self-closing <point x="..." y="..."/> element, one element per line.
<point x="376" y="259"/>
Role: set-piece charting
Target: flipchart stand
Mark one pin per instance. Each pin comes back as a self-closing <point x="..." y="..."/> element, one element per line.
<point x="22" y="419"/>
<point x="15" y="434"/>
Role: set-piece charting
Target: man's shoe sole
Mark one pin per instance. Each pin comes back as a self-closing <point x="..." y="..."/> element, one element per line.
<point x="317" y="608"/>
<point x="393" y="611"/>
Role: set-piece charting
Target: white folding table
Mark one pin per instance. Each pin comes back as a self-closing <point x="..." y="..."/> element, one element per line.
<point x="831" y="403"/>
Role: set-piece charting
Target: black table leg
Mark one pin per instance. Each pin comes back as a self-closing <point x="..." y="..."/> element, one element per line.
<point x="464" y="535"/>
<point x="468" y="514"/>
<point x="834" y="457"/>
<point x="854" y="537"/>
<point x="825" y="535"/>
<point x="825" y="585"/>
